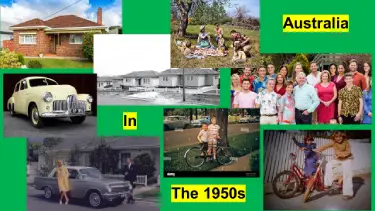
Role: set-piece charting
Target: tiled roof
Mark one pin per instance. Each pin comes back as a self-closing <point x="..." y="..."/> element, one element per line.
<point x="64" y="21"/>
<point x="190" y="71"/>
<point x="146" y="73"/>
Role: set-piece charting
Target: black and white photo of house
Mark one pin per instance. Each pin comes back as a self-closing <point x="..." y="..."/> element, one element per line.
<point x="169" y="87"/>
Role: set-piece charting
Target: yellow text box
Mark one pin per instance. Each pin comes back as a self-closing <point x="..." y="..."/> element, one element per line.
<point x="129" y="121"/>
<point x="315" y="23"/>
<point x="208" y="193"/>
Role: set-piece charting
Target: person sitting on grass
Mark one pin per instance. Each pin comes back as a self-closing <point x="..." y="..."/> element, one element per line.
<point x="187" y="50"/>
<point x="203" y="138"/>
<point x="204" y="38"/>
<point x="244" y="41"/>
<point x="238" y="55"/>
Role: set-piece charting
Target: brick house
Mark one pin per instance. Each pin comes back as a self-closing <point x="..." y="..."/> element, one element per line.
<point x="59" y="36"/>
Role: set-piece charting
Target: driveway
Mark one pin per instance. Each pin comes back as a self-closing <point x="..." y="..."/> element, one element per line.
<point x="324" y="201"/>
<point x="180" y="138"/>
<point x="36" y="202"/>
<point x="20" y="126"/>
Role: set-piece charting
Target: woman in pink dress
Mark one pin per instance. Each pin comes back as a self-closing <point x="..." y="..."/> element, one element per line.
<point x="327" y="94"/>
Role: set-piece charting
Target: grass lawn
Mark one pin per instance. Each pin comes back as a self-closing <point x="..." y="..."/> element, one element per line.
<point x="178" y="60"/>
<point x="241" y="145"/>
<point x="62" y="63"/>
<point x="153" y="193"/>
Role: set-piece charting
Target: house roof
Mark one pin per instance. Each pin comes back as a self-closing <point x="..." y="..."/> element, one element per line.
<point x="146" y="73"/>
<point x="190" y="71"/>
<point x="101" y="79"/>
<point x="88" y="144"/>
<point x="64" y="21"/>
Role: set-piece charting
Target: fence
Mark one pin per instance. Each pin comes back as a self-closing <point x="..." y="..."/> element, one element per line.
<point x="141" y="179"/>
<point x="278" y="145"/>
<point x="201" y="90"/>
<point x="8" y="44"/>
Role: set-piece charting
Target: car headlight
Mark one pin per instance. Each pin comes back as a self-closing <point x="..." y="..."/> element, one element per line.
<point x="109" y="189"/>
<point x="89" y="99"/>
<point x="48" y="97"/>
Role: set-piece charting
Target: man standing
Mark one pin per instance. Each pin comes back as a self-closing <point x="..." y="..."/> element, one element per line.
<point x="306" y="100"/>
<point x="314" y="77"/>
<point x="245" y="98"/>
<point x="247" y="75"/>
<point x="267" y="102"/>
<point x="243" y="40"/>
<point x="350" y="106"/>
<point x="131" y="176"/>
<point x="358" y="78"/>
<point x="260" y="83"/>
<point x="271" y="71"/>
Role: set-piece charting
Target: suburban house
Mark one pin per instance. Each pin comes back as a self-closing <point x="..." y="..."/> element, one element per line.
<point x="146" y="78"/>
<point x="193" y="77"/>
<point x="6" y="35"/>
<point x="125" y="147"/>
<point x="104" y="81"/>
<point x="59" y="36"/>
<point x="117" y="82"/>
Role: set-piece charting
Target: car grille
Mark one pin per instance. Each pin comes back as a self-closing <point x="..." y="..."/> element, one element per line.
<point x="119" y="189"/>
<point x="71" y="103"/>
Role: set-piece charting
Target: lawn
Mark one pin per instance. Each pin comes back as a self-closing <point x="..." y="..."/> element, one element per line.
<point x="62" y="63"/>
<point x="179" y="61"/>
<point x="241" y="145"/>
<point x="153" y="193"/>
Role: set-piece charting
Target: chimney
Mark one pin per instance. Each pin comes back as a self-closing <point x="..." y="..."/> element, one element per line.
<point x="100" y="16"/>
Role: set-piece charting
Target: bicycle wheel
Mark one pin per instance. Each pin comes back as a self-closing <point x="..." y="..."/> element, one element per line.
<point x="224" y="155"/>
<point x="309" y="189"/>
<point x="320" y="182"/>
<point x="289" y="182"/>
<point x="194" y="158"/>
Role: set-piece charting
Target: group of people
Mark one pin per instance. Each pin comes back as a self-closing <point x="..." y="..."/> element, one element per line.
<point x="343" y="156"/>
<point x="325" y="97"/>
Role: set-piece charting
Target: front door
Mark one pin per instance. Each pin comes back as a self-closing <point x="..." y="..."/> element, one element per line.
<point x="139" y="82"/>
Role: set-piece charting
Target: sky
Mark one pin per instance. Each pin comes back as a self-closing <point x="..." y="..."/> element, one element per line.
<point x="18" y="11"/>
<point x="252" y="6"/>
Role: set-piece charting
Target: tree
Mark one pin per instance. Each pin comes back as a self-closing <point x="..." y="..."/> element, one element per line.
<point x="33" y="151"/>
<point x="74" y="156"/>
<point x="209" y="14"/>
<point x="301" y="58"/>
<point x="222" y="120"/>
<point x="48" y="144"/>
<point x="241" y="14"/>
<point x="184" y="9"/>
<point x="145" y="165"/>
<point x="88" y="46"/>
<point x="104" y="158"/>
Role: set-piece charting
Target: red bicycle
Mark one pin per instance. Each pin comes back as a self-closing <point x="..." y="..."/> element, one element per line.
<point x="294" y="179"/>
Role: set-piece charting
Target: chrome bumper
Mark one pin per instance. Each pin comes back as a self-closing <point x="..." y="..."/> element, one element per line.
<point x="113" y="196"/>
<point x="56" y="114"/>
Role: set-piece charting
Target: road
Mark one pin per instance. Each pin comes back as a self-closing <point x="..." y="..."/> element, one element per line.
<point x="323" y="201"/>
<point x="187" y="137"/>
<point x="36" y="202"/>
<point x="20" y="126"/>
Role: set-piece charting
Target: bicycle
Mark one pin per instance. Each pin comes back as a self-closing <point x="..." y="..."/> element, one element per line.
<point x="296" y="174"/>
<point x="313" y="183"/>
<point x="195" y="159"/>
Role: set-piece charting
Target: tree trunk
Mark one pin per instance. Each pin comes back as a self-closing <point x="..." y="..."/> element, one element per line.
<point x="205" y="112"/>
<point x="184" y="8"/>
<point x="222" y="121"/>
<point x="191" y="114"/>
<point x="196" y="113"/>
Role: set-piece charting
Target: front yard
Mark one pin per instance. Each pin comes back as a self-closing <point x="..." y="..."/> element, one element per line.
<point x="62" y="63"/>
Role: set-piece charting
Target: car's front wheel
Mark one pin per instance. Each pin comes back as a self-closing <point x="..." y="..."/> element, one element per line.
<point x="35" y="118"/>
<point x="78" y="119"/>
<point x="47" y="193"/>
<point x="95" y="200"/>
<point x="11" y="110"/>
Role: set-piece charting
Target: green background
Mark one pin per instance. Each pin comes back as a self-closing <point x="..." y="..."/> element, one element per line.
<point x="153" y="17"/>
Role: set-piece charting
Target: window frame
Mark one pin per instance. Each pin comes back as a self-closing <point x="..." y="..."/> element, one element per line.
<point x="21" y="39"/>
<point x="70" y="39"/>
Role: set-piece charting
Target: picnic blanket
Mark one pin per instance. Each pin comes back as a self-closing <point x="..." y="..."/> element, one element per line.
<point x="201" y="53"/>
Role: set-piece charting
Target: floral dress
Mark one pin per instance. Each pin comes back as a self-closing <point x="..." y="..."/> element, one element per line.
<point x="286" y="106"/>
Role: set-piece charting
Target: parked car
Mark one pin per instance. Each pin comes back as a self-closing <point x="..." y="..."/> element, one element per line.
<point x="199" y="122"/>
<point x="86" y="183"/>
<point x="245" y="119"/>
<point x="176" y="122"/>
<point x="41" y="97"/>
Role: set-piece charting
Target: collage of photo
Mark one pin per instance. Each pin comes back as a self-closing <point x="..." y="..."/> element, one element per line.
<point x="295" y="126"/>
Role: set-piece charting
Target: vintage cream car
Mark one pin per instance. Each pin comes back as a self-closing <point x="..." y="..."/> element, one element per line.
<point x="41" y="97"/>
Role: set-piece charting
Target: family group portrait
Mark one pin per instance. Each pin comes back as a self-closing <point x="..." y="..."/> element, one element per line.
<point x="214" y="33"/>
<point x="306" y="88"/>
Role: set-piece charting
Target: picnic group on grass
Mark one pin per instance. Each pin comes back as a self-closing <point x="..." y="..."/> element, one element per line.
<point x="327" y="97"/>
<point x="205" y="47"/>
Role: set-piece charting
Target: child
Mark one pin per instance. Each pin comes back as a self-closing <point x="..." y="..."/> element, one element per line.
<point x="286" y="106"/>
<point x="203" y="137"/>
<point x="238" y="56"/>
<point x="213" y="136"/>
<point x="333" y="121"/>
<point x="310" y="155"/>
<point x="187" y="50"/>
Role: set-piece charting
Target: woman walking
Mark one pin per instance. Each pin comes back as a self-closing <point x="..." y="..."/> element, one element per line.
<point x="62" y="175"/>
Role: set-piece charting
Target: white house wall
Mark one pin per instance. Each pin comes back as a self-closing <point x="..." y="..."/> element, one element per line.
<point x="152" y="82"/>
<point x="278" y="146"/>
<point x="171" y="82"/>
<point x="129" y="83"/>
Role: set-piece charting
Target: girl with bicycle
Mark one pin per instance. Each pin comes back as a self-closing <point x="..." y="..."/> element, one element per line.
<point x="213" y="136"/>
<point x="310" y="156"/>
<point x="343" y="156"/>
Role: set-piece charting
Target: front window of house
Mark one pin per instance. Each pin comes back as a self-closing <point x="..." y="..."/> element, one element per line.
<point x="146" y="80"/>
<point x="27" y="39"/>
<point x="128" y="80"/>
<point x="189" y="78"/>
<point x="75" y="39"/>
<point x="165" y="78"/>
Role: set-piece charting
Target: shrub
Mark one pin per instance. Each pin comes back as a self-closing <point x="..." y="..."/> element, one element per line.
<point x="9" y="59"/>
<point x="254" y="161"/>
<point x="145" y="165"/>
<point x="34" y="64"/>
<point x="88" y="46"/>
<point x="21" y="59"/>
<point x="301" y="58"/>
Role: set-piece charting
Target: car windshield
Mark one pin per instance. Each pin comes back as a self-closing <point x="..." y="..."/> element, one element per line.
<point x="91" y="172"/>
<point x="42" y="82"/>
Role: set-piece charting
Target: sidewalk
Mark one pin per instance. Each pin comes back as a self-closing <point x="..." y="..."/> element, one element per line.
<point x="147" y="193"/>
<point x="242" y="164"/>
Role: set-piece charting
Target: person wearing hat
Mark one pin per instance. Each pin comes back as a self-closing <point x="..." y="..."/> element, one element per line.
<point x="204" y="38"/>
<point x="243" y="40"/>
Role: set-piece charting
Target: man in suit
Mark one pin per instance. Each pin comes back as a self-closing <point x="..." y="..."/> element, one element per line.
<point x="131" y="176"/>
